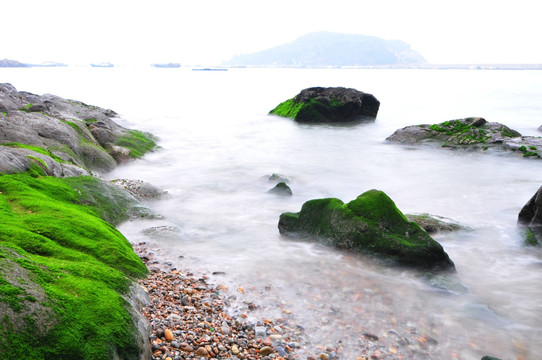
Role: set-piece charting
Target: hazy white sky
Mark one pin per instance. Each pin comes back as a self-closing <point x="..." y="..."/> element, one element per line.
<point x="210" y="31"/>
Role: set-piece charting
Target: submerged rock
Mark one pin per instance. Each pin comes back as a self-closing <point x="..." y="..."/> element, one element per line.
<point x="434" y="223"/>
<point x="472" y="133"/>
<point x="332" y="105"/>
<point x="281" y="189"/>
<point x="370" y="224"/>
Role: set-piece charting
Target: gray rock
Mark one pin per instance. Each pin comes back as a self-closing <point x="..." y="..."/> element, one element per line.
<point x="140" y="189"/>
<point x="434" y="223"/>
<point x="77" y="133"/>
<point x="472" y="133"/>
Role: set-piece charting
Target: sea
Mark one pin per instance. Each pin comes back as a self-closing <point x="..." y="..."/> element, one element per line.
<point x="219" y="147"/>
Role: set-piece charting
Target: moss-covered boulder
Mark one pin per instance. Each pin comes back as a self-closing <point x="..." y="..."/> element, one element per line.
<point x="66" y="273"/>
<point x="72" y="133"/>
<point x="473" y="133"/>
<point x="329" y="105"/>
<point x="371" y="223"/>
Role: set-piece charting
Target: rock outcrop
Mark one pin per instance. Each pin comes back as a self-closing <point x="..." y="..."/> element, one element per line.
<point x="67" y="276"/>
<point x="369" y="224"/>
<point x="329" y="105"/>
<point x="473" y="133"/>
<point x="70" y="132"/>
<point x="530" y="218"/>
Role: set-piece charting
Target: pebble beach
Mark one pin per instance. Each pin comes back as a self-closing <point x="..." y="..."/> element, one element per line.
<point x="192" y="318"/>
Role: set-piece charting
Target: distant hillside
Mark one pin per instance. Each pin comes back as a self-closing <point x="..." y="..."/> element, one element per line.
<point x="332" y="49"/>
<point x="11" y="63"/>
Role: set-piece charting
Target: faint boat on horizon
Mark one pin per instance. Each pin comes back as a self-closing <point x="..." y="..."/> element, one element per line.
<point x="168" y="65"/>
<point x="103" y="65"/>
<point x="209" y="69"/>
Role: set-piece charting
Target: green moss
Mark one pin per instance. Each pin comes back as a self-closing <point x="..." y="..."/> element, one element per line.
<point x="26" y="108"/>
<point x="288" y="108"/>
<point x="527" y="153"/>
<point x="310" y="111"/>
<point x="37" y="149"/>
<point x="4" y="113"/>
<point x="137" y="142"/>
<point x="81" y="262"/>
<point x="10" y="294"/>
<point x="462" y="132"/>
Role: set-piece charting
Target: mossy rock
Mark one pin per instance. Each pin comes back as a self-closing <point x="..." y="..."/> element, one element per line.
<point x="472" y="133"/>
<point x="65" y="271"/>
<point x="372" y="224"/>
<point x="333" y="105"/>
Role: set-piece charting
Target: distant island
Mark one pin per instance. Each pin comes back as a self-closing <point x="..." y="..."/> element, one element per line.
<point x="324" y="49"/>
<point x="11" y="63"/>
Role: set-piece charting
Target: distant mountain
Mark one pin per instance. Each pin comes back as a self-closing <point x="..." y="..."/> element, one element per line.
<point x="11" y="63"/>
<point x="332" y="49"/>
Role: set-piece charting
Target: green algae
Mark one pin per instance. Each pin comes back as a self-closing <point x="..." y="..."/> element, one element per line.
<point x="37" y="149"/>
<point x="138" y="142"/>
<point x="371" y="223"/>
<point x="312" y="110"/>
<point x="57" y="230"/>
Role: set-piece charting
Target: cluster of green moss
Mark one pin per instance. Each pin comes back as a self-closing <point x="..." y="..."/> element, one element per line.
<point x="138" y="142"/>
<point x="309" y="111"/>
<point x="56" y="229"/>
<point x="531" y="151"/>
<point x="37" y="149"/>
<point x="462" y="131"/>
<point x="26" y="108"/>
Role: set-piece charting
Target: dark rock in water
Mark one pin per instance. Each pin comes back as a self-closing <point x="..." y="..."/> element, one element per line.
<point x="530" y="217"/>
<point x="371" y="223"/>
<point x="489" y="358"/>
<point x="473" y="133"/>
<point x="281" y="189"/>
<point x="444" y="283"/>
<point x="140" y="189"/>
<point x="331" y="105"/>
<point x="434" y="224"/>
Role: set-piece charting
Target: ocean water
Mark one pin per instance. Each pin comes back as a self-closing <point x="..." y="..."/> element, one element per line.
<point x="218" y="147"/>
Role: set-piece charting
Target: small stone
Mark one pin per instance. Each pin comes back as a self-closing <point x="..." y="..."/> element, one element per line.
<point x="266" y="350"/>
<point x="235" y="350"/>
<point x="202" y="352"/>
<point x="168" y="334"/>
<point x="186" y="347"/>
